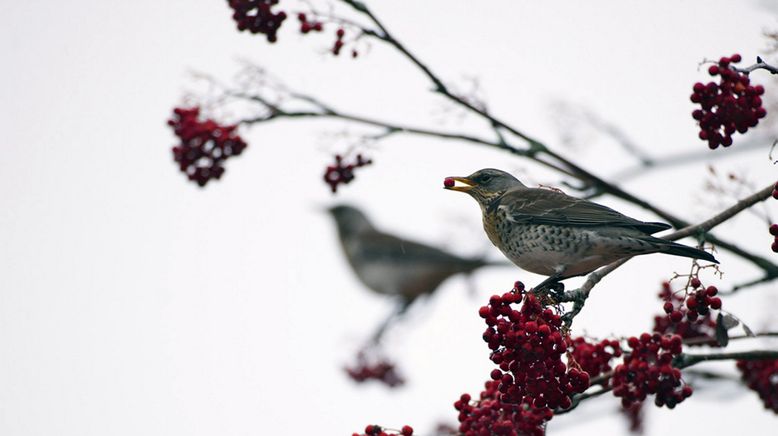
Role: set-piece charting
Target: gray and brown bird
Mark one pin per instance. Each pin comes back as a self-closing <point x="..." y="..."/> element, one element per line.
<point x="549" y="233"/>
<point x="391" y="265"/>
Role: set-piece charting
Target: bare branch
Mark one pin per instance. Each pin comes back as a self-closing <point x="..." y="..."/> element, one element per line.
<point x="759" y="65"/>
<point x="724" y="215"/>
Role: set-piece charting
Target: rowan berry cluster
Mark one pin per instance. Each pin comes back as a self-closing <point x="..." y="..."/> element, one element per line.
<point x="732" y="105"/>
<point x="701" y="300"/>
<point x="688" y="323"/>
<point x="342" y="172"/>
<point x="648" y="369"/>
<point x="594" y="359"/>
<point x="762" y="377"/>
<point x="527" y="345"/>
<point x="377" y="430"/>
<point x="205" y="145"/>
<point x="380" y="370"/>
<point x="257" y="16"/>
<point x="490" y="416"/>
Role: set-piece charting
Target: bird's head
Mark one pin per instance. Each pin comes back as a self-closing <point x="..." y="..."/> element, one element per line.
<point x="483" y="185"/>
<point x="349" y="220"/>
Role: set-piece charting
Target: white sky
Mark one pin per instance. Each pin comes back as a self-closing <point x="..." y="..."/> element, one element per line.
<point x="132" y="302"/>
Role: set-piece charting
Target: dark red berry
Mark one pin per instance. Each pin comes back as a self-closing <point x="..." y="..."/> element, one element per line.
<point x="204" y="145"/>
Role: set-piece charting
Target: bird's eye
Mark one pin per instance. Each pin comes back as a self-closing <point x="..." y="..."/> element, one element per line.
<point x="485" y="179"/>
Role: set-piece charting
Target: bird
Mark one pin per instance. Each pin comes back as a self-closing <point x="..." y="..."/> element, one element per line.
<point x="549" y="233"/>
<point x="391" y="265"/>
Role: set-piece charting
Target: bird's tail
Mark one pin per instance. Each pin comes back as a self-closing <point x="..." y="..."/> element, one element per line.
<point x="676" y="249"/>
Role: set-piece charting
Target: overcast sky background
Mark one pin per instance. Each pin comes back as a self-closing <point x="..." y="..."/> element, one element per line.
<point x="132" y="302"/>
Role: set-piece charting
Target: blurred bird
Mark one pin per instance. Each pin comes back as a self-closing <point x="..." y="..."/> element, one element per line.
<point x="390" y="265"/>
<point x="549" y="233"/>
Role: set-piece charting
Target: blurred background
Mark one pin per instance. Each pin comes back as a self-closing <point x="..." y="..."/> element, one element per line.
<point x="134" y="302"/>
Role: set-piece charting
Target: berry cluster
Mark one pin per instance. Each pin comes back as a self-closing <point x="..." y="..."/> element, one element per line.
<point x="337" y="46"/>
<point x="762" y="377"/>
<point x="256" y="16"/>
<point x="731" y="105"/>
<point x="343" y="172"/>
<point x="685" y="321"/>
<point x="205" y="145"/>
<point x="374" y="369"/>
<point x="377" y="430"/>
<point x="647" y="370"/>
<point x="594" y="359"/>
<point x="527" y="344"/>
<point x="308" y="26"/>
<point x="490" y="416"/>
<point x="701" y="300"/>
<point x="634" y="415"/>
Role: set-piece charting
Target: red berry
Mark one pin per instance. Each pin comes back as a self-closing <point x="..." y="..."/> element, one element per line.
<point x="729" y="106"/>
<point x="695" y="282"/>
<point x="407" y="430"/>
<point x="448" y="182"/>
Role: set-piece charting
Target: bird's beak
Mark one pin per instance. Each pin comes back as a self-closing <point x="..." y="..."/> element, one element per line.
<point x="467" y="184"/>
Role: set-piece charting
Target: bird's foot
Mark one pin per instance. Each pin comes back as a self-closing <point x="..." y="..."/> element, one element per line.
<point x="552" y="287"/>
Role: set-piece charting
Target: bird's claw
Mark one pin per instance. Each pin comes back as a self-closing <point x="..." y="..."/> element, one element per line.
<point x="555" y="288"/>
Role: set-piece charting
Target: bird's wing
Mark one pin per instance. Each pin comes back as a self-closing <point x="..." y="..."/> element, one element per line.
<point x="377" y="246"/>
<point x="544" y="206"/>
